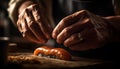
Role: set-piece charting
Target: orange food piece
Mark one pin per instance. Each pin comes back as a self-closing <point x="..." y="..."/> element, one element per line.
<point x="58" y="53"/>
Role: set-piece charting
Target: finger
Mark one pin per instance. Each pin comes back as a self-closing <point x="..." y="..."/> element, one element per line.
<point x="26" y="32"/>
<point x="42" y="21"/>
<point x="23" y="28"/>
<point x="77" y="27"/>
<point x="91" y="42"/>
<point x="76" y="38"/>
<point x="20" y="20"/>
<point x="21" y="15"/>
<point x="67" y="21"/>
<point x="34" y="27"/>
<point x="19" y="25"/>
<point x="30" y="36"/>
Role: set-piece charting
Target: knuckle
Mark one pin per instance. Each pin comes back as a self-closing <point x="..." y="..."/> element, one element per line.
<point x="87" y="20"/>
<point x="35" y="5"/>
<point x="30" y="23"/>
<point x="25" y="33"/>
<point x="67" y="29"/>
<point x="21" y="15"/>
<point x="62" y="21"/>
<point x="65" y="19"/>
<point x="18" y="22"/>
<point x="37" y="18"/>
<point x="83" y="11"/>
<point x="31" y="6"/>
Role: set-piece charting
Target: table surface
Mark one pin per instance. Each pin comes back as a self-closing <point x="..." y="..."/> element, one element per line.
<point x="28" y="60"/>
<point x="24" y="59"/>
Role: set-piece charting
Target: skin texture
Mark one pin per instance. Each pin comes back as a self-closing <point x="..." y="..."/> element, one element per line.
<point x="92" y="35"/>
<point x="79" y="31"/>
<point x="57" y="53"/>
<point x="33" y="24"/>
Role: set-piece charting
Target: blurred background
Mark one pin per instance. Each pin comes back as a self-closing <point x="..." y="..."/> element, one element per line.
<point x="6" y="26"/>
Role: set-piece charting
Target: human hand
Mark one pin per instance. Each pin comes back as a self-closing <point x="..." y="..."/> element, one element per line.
<point x="33" y="24"/>
<point x="81" y="31"/>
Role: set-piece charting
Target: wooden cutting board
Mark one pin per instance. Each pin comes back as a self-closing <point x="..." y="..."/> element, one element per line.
<point x="29" y="61"/>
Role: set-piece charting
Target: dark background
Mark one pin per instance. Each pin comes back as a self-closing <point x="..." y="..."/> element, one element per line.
<point x="7" y="28"/>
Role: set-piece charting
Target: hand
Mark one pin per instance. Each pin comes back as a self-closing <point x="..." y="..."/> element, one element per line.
<point x="33" y="24"/>
<point x="81" y="31"/>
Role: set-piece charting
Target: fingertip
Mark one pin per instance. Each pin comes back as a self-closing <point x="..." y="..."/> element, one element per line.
<point x="58" y="41"/>
<point x="53" y="35"/>
<point x="66" y="44"/>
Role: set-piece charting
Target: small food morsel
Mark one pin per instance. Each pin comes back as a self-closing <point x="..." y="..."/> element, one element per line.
<point x="57" y="53"/>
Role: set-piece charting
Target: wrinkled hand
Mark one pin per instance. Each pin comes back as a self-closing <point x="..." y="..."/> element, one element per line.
<point x="33" y="24"/>
<point x="81" y="31"/>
